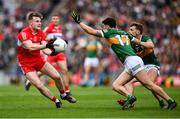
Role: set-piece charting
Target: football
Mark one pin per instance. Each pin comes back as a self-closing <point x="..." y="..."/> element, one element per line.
<point x="60" y="45"/>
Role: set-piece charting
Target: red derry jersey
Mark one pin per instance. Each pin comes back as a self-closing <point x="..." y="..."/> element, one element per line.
<point x="52" y="31"/>
<point x="24" y="55"/>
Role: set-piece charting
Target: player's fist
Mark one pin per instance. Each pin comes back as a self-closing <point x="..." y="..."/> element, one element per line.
<point x="50" y="43"/>
<point x="76" y="17"/>
<point x="53" y="53"/>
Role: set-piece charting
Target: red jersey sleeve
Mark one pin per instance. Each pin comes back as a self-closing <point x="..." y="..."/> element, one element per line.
<point x="23" y="36"/>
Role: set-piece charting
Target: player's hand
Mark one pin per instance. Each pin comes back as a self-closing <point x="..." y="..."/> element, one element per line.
<point x="66" y="41"/>
<point x="76" y="17"/>
<point x="136" y="41"/>
<point x="50" y="43"/>
<point x="53" y="53"/>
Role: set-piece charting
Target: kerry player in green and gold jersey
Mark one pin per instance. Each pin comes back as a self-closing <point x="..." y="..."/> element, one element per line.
<point x="92" y="48"/>
<point x="144" y="47"/>
<point x="119" y="41"/>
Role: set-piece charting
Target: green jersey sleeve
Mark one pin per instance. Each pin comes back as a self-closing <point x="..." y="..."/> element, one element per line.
<point x="146" y="39"/>
<point x="105" y="33"/>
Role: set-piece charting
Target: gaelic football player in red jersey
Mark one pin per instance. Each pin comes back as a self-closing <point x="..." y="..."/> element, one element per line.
<point x="54" y="30"/>
<point x="30" y="41"/>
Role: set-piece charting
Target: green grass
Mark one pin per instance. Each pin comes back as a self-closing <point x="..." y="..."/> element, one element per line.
<point x="99" y="102"/>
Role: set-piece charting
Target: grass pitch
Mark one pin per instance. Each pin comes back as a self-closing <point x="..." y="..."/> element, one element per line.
<point x="93" y="102"/>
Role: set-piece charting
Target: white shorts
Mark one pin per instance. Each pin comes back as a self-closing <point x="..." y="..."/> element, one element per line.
<point x="94" y="62"/>
<point x="133" y="64"/>
<point x="152" y="66"/>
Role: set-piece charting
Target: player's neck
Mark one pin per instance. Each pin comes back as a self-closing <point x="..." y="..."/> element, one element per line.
<point x="34" y="31"/>
<point x="56" y="26"/>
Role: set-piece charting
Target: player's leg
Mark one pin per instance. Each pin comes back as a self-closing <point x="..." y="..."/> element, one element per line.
<point x="64" y="71"/>
<point x="153" y="74"/>
<point x="96" y="70"/>
<point x="96" y="75"/>
<point x="28" y="83"/>
<point x="87" y="69"/>
<point x="130" y="88"/>
<point x="49" y="70"/>
<point x="143" y="78"/>
<point x="34" y="80"/>
<point x="136" y="69"/>
<point x="118" y="86"/>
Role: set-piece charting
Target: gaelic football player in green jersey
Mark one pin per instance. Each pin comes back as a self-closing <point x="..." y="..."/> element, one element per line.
<point x="144" y="47"/>
<point x="119" y="41"/>
<point x="92" y="47"/>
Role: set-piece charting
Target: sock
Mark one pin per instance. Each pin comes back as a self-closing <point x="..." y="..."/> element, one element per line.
<point x="170" y="101"/>
<point x="161" y="103"/>
<point x="53" y="98"/>
<point x="63" y="94"/>
<point x="57" y="100"/>
<point x="129" y="96"/>
<point x="67" y="88"/>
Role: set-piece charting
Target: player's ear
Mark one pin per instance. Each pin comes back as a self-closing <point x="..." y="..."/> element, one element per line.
<point x="137" y="32"/>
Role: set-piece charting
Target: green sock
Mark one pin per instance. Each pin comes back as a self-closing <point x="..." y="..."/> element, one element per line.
<point x="170" y="101"/>
<point x="161" y="103"/>
<point x="129" y="96"/>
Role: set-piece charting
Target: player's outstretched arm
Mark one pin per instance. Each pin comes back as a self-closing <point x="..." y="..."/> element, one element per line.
<point x="85" y="27"/>
<point x="148" y="44"/>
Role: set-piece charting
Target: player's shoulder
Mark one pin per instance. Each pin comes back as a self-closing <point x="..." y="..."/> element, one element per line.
<point x="25" y="31"/>
<point x="50" y="25"/>
<point x="146" y="38"/>
<point x="111" y="31"/>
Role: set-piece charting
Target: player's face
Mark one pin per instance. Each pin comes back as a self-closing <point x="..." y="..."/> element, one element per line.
<point x="55" y="20"/>
<point x="105" y="26"/>
<point x="133" y="31"/>
<point x="36" y="23"/>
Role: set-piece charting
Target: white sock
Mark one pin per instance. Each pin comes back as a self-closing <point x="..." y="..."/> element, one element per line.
<point x="57" y="100"/>
<point x="63" y="95"/>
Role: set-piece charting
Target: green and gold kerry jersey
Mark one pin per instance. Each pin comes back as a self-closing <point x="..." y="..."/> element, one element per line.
<point x="92" y="48"/>
<point x="147" y="54"/>
<point x="119" y="41"/>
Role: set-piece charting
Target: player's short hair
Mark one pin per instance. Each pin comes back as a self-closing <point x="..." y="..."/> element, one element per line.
<point x="55" y="15"/>
<point x="109" y="21"/>
<point x="138" y="26"/>
<point x="30" y="15"/>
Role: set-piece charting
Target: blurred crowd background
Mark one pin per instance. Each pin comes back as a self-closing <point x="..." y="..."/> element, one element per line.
<point x="161" y="20"/>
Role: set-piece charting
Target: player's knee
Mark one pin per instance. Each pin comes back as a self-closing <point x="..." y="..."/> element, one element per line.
<point x="56" y="76"/>
<point x="64" y="71"/>
<point x="114" y="86"/>
<point x="150" y="87"/>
